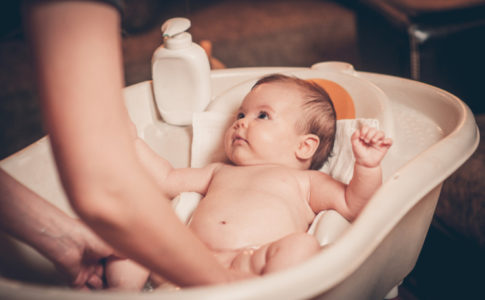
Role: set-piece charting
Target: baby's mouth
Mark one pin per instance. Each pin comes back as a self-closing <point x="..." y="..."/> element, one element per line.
<point x="237" y="139"/>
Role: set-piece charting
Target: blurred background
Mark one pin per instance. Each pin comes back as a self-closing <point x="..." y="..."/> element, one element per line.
<point x="439" y="42"/>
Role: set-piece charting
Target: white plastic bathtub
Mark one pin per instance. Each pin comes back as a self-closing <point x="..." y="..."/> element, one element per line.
<point x="433" y="131"/>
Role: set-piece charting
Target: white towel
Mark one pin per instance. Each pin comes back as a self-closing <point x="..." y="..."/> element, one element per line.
<point x="208" y="138"/>
<point x="185" y="204"/>
<point x="341" y="164"/>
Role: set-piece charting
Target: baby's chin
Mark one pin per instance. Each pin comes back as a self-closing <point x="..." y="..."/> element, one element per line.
<point x="244" y="159"/>
<point x="241" y="161"/>
<point x="245" y="162"/>
<point x="238" y="161"/>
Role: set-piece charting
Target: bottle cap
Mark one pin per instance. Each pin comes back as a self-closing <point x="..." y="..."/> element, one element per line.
<point x="175" y="26"/>
<point x="175" y="35"/>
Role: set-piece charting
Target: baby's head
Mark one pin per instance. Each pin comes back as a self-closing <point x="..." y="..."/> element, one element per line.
<point x="318" y="116"/>
<point x="283" y="120"/>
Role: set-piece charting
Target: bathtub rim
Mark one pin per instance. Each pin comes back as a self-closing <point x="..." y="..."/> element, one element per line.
<point x="465" y="129"/>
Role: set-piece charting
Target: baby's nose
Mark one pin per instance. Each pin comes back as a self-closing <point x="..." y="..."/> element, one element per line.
<point x="240" y="123"/>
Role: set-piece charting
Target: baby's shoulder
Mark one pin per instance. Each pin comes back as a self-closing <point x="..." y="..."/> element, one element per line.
<point x="215" y="166"/>
<point x="221" y="168"/>
<point x="316" y="175"/>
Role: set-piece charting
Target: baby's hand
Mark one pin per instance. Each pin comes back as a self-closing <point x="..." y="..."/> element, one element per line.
<point x="369" y="146"/>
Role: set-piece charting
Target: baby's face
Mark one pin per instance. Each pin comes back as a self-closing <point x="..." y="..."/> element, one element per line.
<point x="264" y="129"/>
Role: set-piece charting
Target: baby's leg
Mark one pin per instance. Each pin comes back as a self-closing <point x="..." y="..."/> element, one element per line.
<point x="289" y="251"/>
<point x="124" y="274"/>
<point x="278" y="255"/>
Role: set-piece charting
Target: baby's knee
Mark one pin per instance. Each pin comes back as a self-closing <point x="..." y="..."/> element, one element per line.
<point x="303" y="244"/>
<point x="289" y="251"/>
<point x="124" y="274"/>
<point x="248" y="260"/>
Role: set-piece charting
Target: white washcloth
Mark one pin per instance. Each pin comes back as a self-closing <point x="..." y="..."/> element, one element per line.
<point x="208" y="138"/>
<point x="185" y="204"/>
<point x="341" y="164"/>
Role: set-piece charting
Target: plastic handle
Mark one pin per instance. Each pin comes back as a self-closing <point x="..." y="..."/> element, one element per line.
<point x="175" y="26"/>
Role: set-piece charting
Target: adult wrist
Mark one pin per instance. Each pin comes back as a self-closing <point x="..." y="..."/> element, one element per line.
<point x="56" y="240"/>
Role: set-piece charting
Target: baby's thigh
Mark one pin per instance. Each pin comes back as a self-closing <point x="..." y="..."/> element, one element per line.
<point x="250" y="260"/>
<point x="289" y="251"/>
<point x="276" y="256"/>
<point x="124" y="274"/>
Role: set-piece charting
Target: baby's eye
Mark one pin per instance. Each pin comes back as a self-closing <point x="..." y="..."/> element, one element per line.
<point x="240" y="115"/>
<point x="263" y="115"/>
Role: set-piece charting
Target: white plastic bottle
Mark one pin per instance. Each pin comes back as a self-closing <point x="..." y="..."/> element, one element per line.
<point x="181" y="74"/>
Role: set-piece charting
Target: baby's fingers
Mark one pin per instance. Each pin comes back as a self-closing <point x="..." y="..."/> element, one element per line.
<point x="368" y="134"/>
<point x="355" y="136"/>
<point x="94" y="282"/>
<point x="387" y="142"/>
<point x="383" y="145"/>
<point x="377" y="137"/>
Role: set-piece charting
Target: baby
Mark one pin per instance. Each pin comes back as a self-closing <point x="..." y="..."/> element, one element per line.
<point x="257" y="207"/>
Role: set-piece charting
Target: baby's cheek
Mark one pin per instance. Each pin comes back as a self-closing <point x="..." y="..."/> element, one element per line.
<point x="227" y="142"/>
<point x="267" y="138"/>
<point x="270" y="146"/>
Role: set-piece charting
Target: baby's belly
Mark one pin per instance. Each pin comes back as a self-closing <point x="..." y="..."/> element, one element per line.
<point x="240" y="222"/>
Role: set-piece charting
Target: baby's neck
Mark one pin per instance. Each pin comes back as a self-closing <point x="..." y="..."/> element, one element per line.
<point x="297" y="165"/>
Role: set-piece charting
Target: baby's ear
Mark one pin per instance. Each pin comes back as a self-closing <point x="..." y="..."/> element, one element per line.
<point x="307" y="146"/>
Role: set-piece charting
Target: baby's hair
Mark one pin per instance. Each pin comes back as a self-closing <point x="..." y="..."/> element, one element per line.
<point x="319" y="115"/>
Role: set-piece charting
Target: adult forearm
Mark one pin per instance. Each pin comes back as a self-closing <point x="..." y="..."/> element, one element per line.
<point x="31" y="219"/>
<point x="78" y="58"/>
<point x="137" y="220"/>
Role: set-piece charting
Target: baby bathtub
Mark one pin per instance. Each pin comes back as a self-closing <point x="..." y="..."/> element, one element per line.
<point x="433" y="131"/>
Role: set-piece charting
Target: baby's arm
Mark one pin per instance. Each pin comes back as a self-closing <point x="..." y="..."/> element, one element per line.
<point x="369" y="146"/>
<point x="174" y="181"/>
<point x="125" y="274"/>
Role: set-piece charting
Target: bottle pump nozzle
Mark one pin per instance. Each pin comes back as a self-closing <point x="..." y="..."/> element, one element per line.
<point x="175" y="26"/>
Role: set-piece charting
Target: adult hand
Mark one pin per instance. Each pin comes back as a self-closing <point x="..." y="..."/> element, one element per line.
<point x="73" y="248"/>
<point x="83" y="257"/>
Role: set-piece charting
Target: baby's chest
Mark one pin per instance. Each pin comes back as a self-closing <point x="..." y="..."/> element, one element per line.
<point x="283" y="181"/>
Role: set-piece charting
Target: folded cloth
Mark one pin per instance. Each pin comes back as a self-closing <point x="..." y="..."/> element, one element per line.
<point x="184" y="205"/>
<point x="208" y="137"/>
<point x="341" y="163"/>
